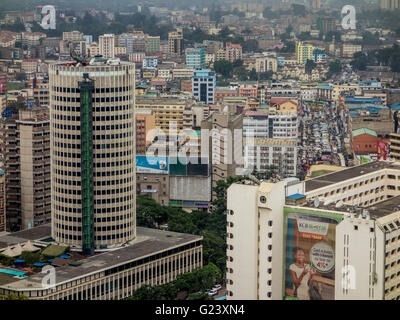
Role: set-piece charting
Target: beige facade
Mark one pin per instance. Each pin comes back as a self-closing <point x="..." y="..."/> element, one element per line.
<point x="175" y="43"/>
<point x="73" y="36"/>
<point x="2" y="202"/>
<point x="167" y="112"/>
<point x="41" y="94"/>
<point x="26" y="162"/>
<point x="159" y="257"/>
<point x="113" y="153"/>
<point x="107" y="46"/>
<point x="348" y="49"/>
<point x="156" y="185"/>
<point x="221" y="126"/>
<point x="266" y="64"/>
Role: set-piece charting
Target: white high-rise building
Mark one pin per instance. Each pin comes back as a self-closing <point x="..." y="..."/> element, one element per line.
<point x="311" y="241"/>
<point x="107" y="46"/>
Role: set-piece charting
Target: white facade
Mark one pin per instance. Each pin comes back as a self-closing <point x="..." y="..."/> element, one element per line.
<point x="255" y="241"/>
<point x="359" y="260"/>
<point x="261" y="154"/>
<point x="107" y="46"/>
<point x="367" y="245"/>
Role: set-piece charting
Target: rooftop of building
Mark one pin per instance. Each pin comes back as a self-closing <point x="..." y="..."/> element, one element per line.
<point x="93" y="63"/>
<point x="273" y="142"/>
<point x="350" y="173"/>
<point x="148" y="242"/>
<point x="375" y="211"/>
<point x="360" y="131"/>
<point x="148" y="99"/>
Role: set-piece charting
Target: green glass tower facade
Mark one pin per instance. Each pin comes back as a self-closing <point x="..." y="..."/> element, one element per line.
<point x="86" y="88"/>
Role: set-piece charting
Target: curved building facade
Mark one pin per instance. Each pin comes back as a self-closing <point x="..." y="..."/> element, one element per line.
<point x="93" y="155"/>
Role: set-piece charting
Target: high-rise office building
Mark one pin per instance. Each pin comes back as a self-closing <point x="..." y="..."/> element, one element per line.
<point x="390" y="4"/>
<point x="225" y="144"/>
<point x="107" y="46"/>
<point x="233" y="52"/>
<point x="93" y="154"/>
<point x="316" y="4"/>
<point x="196" y="58"/>
<point x="203" y="85"/>
<point x="25" y="145"/>
<point x="73" y="36"/>
<point x="175" y="43"/>
<point x="153" y="44"/>
<point x="344" y="225"/>
<point x="3" y="83"/>
<point x="304" y="52"/>
<point x="328" y="25"/>
<point x="2" y="202"/>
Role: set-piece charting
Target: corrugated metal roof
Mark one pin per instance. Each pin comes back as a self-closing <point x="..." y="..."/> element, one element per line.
<point x="364" y="131"/>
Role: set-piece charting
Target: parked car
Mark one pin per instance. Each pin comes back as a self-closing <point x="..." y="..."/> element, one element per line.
<point x="217" y="287"/>
<point x="212" y="293"/>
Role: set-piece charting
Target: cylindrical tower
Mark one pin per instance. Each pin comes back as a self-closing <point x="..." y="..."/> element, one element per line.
<point x="93" y="154"/>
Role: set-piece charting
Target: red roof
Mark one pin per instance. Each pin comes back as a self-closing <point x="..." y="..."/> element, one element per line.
<point x="281" y="101"/>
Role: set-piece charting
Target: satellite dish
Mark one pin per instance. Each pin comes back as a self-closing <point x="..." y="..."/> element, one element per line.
<point x="339" y="204"/>
<point x="316" y="202"/>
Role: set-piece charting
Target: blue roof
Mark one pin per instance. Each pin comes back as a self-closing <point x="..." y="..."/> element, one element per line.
<point x="19" y="260"/>
<point x="296" y="196"/>
<point x="38" y="264"/>
<point x="395" y="106"/>
<point x="363" y="100"/>
<point x="354" y="115"/>
<point x="64" y="256"/>
<point x="325" y="87"/>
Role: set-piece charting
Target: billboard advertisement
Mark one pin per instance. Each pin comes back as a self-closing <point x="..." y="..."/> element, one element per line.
<point x="152" y="164"/>
<point x="382" y="151"/>
<point x="309" y="258"/>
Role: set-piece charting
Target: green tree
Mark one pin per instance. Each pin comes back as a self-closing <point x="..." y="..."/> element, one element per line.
<point x="223" y="67"/>
<point x="335" y="67"/>
<point x="360" y="61"/>
<point x="20" y="76"/>
<point x="310" y="66"/>
<point x="305" y="36"/>
<point x="268" y="13"/>
<point x="30" y="257"/>
<point x="13" y="297"/>
<point x="250" y="45"/>
<point x="253" y="76"/>
<point x="298" y="10"/>
<point x="241" y="73"/>
<point x="266" y="75"/>
<point x="198" y="296"/>
<point x="214" y="249"/>
<point x="237" y="63"/>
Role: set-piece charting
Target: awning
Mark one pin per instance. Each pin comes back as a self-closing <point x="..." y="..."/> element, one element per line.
<point x="28" y="246"/>
<point x="38" y="264"/>
<point x="10" y="253"/>
<point x="19" y="261"/>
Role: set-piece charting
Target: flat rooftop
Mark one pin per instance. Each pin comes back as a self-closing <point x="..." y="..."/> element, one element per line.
<point x="385" y="207"/>
<point x="147" y="242"/>
<point x="353" y="172"/>
<point x="37" y="233"/>
<point x="376" y="211"/>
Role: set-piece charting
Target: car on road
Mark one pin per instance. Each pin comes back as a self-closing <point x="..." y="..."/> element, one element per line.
<point x="217" y="287"/>
<point x="212" y="293"/>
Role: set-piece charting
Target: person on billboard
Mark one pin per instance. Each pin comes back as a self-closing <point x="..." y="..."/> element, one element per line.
<point x="301" y="274"/>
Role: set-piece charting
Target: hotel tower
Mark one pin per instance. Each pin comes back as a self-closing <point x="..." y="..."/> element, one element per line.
<point x="93" y="154"/>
